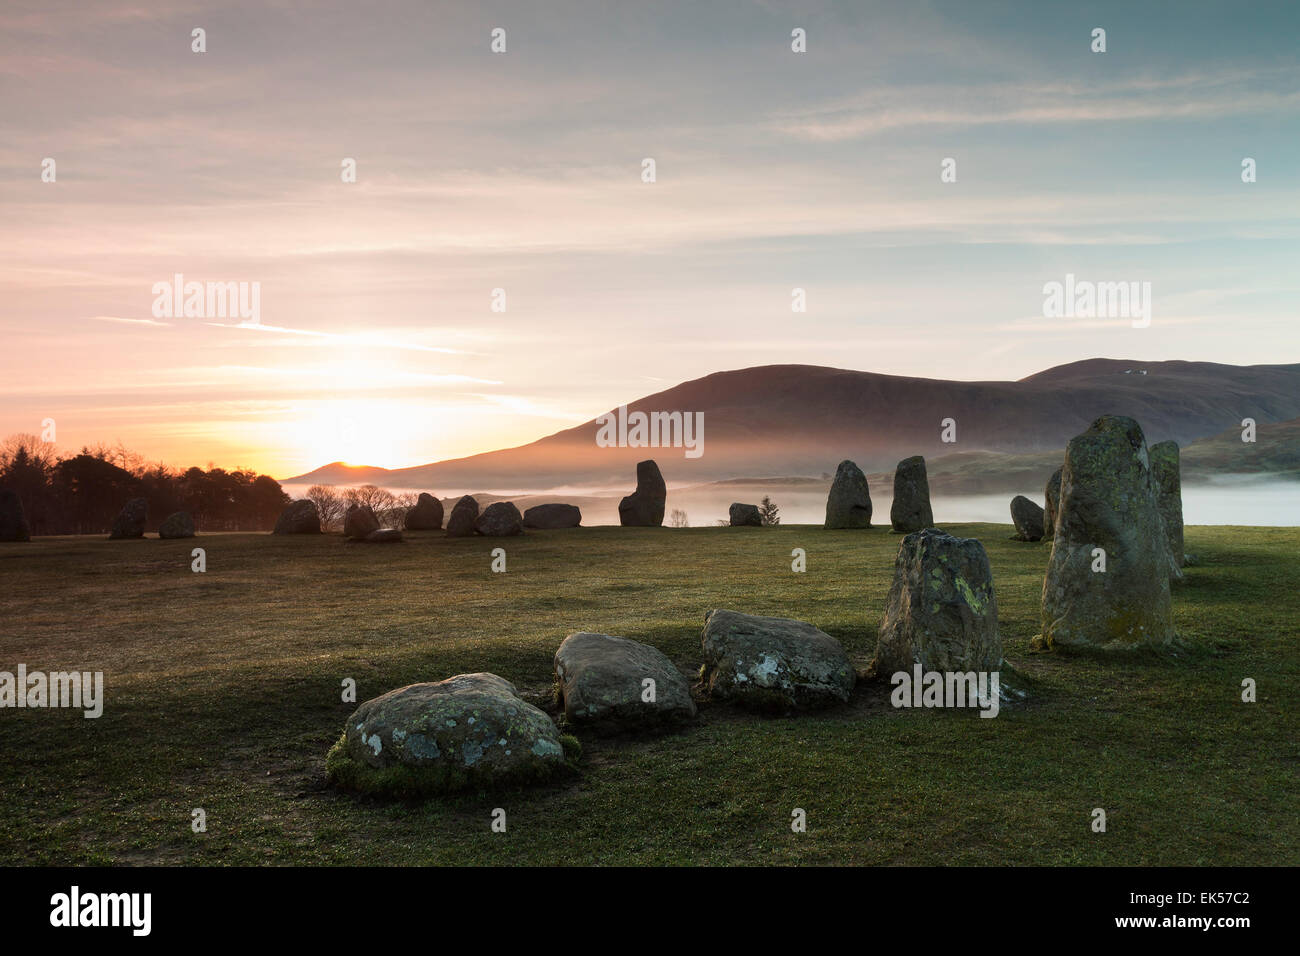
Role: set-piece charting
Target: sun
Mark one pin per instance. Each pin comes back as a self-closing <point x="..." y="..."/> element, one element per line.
<point x="357" y="433"/>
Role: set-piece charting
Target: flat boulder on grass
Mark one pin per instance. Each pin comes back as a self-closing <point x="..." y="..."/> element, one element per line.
<point x="499" y="520"/>
<point x="463" y="516"/>
<point x="1166" y="473"/>
<point x="644" y="507"/>
<point x="773" y="663"/>
<point x="359" y="521"/>
<point x="129" y="522"/>
<point x="1052" y="500"/>
<point x="384" y="536"/>
<point x="177" y="525"/>
<point x="910" y="510"/>
<point x="1108" y="513"/>
<point x="848" y="505"/>
<point x="298" y="517"/>
<point x="1028" y="519"/>
<point x="425" y="514"/>
<point x="941" y="612"/>
<point x="744" y="515"/>
<point x="602" y="683"/>
<point x="472" y="730"/>
<point x="552" y="516"/>
<point x="13" y="521"/>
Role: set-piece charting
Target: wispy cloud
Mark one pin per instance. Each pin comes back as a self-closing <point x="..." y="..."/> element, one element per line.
<point x="353" y="339"/>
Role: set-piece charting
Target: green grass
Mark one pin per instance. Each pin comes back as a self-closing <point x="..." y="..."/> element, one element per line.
<point x="223" y="692"/>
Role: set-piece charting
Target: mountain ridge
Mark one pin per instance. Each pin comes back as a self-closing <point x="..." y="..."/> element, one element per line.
<point x="803" y="419"/>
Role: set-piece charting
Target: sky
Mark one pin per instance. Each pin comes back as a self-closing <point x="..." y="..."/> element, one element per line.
<point x="377" y="342"/>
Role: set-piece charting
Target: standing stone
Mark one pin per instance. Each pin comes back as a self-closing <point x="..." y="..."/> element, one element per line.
<point x="359" y="522"/>
<point x="1108" y="502"/>
<point x="552" y="516"/>
<point x="13" y="521"/>
<point x="1028" y="519"/>
<point x="645" y="507"/>
<point x="177" y="525"/>
<point x="1052" y="497"/>
<point x="1166" y="472"/>
<point x="129" y="522"/>
<point x="384" y="536"/>
<point x="463" y="516"/>
<point x="472" y="730"/>
<point x="745" y="515"/>
<point x="849" y="503"/>
<point x="773" y="663"/>
<point x="425" y="514"/>
<point x="500" y="519"/>
<point x="298" y="517"/>
<point x="910" y="510"/>
<point x="603" y="682"/>
<point x="941" y="612"/>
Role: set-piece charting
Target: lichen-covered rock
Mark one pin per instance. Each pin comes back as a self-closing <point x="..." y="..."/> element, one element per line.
<point x="129" y="522"/>
<point x="500" y="519"/>
<point x="1166" y="473"/>
<point x="848" y="505"/>
<point x="468" y="730"/>
<point x="552" y="516"/>
<point x="13" y="520"/>
<point x="425" y="514"/>
<point x="773" y="663"/>
<point x="942" y="612"/>
<point x="644" y="507"/>
<point x="298" y="517"/>
<point x="177" y="525"/>
<point x="1052" y="501"/>
<point x="1027" y="518"/>
<point x="384" y="536"/>
<point x="1108" y="512"/>
<point x="910" y="510"/>
<point x="742" y="515"/>
<point x="602" y="682"/>
<point x="463" y="517"/>
<point x="359" y="521"/>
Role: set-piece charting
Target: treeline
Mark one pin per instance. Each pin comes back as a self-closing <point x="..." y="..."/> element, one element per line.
<point x="333" y="504"/>
<point x="82" y="493"/>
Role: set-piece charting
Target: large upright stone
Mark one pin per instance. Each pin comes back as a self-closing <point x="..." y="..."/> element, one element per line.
<point x="849" y="503"/>
<point x="359" y="521"/>
<point x="13" y="520"/>
<point x="941" y="612"/>
<point x="552" y="516"/>
<point x="177" y="525"/>
<point x="1027" y="518"/>
<point x="463" y="516"/>
<point x="773" y="663"/>
<point x="603" y="682"/>
<point x="298" y="517"/>
<point x="129" y="522"/>
<point x="1166" y="472"/>
<point x="645" y="506"/>
<point x="468" y="730"/>
<point x="425" y="514"/>
<point x="1052" y="501"/>
<point x="1108" y="518"/>
<point x="910" y="510"/>
<point x="743" y="515"/>
<point x="500" y="519"/>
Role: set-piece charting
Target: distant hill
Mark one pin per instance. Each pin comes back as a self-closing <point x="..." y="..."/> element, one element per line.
<point x="803" y="419"/>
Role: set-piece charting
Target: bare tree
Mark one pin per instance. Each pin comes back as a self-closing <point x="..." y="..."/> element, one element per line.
<point x="330" y="505"/>
<point x="677" y="519"/>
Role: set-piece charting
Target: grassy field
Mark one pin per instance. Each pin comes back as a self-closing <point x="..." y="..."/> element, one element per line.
<point x="223" y="692"/>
